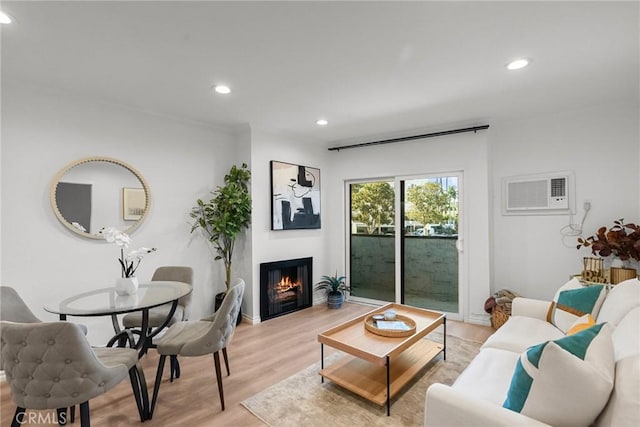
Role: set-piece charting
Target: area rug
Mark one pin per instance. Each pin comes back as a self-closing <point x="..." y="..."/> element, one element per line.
<point x="302" y="400"/>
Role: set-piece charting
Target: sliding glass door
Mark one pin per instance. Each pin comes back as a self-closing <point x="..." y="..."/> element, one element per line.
<point x="429" y="252"/>
<point x="372" y="240"/>
<point x="403" y="241"/>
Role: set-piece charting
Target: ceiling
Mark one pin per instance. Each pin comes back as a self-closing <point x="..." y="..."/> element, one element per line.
<point x="373" y="69"/>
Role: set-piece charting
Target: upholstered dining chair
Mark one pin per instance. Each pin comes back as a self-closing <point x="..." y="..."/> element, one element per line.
<point x="14" y="309"/>
<point x="198" y="338"/>
<point x="158" y="315"/>
<point x="51" y="365"/>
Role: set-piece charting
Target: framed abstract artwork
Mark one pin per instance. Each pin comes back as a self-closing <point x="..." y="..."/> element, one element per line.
<point x="295" y="196"/>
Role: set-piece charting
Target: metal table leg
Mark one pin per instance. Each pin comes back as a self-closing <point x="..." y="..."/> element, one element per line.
<point x="321" y="362"/>
<point x="444" y="349"/>
<point x="388" y="363"/>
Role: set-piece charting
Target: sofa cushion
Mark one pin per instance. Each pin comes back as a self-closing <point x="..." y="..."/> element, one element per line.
<point x="621" y="299"/>
<point x="623" y="408"/>
<point x="626" y="336"/>
<point x="521" y="332"/>
<point x="573" y="301"/>
<point x="567" y="381"/>
<point x="488" y="375"/>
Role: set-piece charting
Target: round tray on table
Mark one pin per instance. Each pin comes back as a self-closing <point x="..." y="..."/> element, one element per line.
<point x="370" y="325"/>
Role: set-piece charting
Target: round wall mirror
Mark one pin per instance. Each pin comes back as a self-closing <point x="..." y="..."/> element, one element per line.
<point x="96" y="192"/>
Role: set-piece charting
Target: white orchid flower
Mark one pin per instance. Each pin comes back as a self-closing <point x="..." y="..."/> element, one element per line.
<point x="113" y="235"/>
<point x="129" y="263"/>
<point x="138" y="254"/>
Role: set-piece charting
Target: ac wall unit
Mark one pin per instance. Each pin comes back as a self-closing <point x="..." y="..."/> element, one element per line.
<point x="538" y="194"/>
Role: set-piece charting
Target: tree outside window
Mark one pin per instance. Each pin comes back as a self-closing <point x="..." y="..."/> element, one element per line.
<point x="373" y="205"/>
<point x="429" y="203"/>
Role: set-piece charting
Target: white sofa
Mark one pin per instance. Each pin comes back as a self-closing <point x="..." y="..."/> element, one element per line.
<point x="477" y="396"/>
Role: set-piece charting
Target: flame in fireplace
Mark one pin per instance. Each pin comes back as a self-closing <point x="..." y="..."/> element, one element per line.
<point x="285" y="285"/>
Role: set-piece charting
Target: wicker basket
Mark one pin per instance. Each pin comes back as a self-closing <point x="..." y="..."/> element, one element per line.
<point x="500" y="314"/>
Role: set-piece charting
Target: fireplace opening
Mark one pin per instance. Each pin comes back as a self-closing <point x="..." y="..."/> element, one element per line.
<point x="285" y="287"/>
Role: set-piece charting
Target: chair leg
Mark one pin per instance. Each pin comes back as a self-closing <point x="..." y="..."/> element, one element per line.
<point x="18" y="417"/>
<point x="85" y="420"/>
<point x="226" y="360"/>
<point x="216" y="362"/>
<point x="72" y="415"/>
<point x="156" y="386"/>
<point x="175" y="367"/>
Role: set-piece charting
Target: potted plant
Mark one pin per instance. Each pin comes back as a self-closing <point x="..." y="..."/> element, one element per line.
<point x="615" y="241"/>
<point x="336" y="288"/>
<point x="225" y="216"/>
<point x="621" y="241"/>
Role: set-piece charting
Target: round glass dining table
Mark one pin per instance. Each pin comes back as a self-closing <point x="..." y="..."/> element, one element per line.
<point x="106" y="302"/>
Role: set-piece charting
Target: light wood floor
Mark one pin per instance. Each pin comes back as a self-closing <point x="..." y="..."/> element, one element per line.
<point x="259" y="356"/>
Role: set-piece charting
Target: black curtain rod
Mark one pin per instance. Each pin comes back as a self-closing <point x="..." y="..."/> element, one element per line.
<point x="409" y="138"/>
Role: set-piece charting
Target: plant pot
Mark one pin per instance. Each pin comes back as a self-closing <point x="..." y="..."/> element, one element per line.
<point x="127" y="285"/>
<point x="218" y="303"/>
<point x="335" y="299"/>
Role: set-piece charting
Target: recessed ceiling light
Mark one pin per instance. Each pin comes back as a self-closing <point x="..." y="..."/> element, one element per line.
<point x="222" y="89"/>
<point x="517" y="64"/>
<point x="322" y="122"/>
<point x="4" y="18"/>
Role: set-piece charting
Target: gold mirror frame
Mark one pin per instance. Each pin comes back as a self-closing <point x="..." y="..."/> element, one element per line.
<point x="67" y="168"/>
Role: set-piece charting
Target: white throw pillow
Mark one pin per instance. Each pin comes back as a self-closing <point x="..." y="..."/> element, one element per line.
<point x="573" y="301"/>
<point x="565" y="382"/>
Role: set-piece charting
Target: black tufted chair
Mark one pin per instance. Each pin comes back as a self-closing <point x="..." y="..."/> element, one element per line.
<point x="51" y="365"/>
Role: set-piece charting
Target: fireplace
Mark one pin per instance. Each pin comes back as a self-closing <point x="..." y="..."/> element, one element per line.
<point x="285" y="287"/>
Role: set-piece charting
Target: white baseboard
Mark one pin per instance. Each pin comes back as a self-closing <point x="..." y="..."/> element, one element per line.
<point x="253" y="320"/>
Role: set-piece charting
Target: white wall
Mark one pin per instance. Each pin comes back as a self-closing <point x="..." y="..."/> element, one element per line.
<point x="601" y="145"/>
<point x="463" y="152"/>
<point x="242" y="262"/>
<point x="41" y="133"/>
<point x="285" y="244"/>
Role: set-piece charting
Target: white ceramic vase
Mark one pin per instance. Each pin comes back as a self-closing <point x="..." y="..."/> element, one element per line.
<point x="127" y="285"/>
<point x="125" y="301"/>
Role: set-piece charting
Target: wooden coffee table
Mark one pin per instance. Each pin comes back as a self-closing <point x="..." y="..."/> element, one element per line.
<point x="377" y="367"/>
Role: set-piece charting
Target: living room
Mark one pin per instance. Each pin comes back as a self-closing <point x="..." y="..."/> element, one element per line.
<point x="65" y="65"/>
